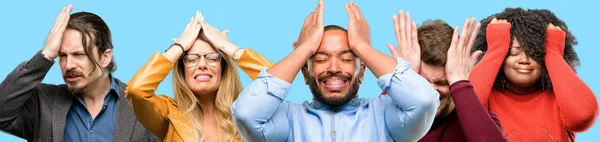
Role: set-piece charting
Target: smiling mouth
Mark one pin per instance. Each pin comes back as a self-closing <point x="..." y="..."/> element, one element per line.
<point x="523" y="70"/>
<point x="202" y="77"/>
<point x="334" y="84"/>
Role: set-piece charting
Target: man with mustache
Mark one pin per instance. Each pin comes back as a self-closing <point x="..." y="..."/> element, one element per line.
<point x="89" y="107"/>
<point x="330" y="59"/>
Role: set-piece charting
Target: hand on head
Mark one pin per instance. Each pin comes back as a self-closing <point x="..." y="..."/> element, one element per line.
<point x="54" y="40"/>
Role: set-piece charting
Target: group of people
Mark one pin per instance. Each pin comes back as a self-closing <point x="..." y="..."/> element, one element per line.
<point x="509" y="77"/>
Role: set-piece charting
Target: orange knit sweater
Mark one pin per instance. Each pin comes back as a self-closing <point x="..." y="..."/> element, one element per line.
<point x="544" y="115"/>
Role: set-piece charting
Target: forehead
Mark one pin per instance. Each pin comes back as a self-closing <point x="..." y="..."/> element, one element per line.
<point x="72" y="41"/>
<point x="200" y="47"/>
<point x="432" y="73"/>
<point x="334" y="41"/>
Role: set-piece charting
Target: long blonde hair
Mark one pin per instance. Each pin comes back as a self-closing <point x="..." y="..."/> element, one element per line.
<point x="229" y="89"/>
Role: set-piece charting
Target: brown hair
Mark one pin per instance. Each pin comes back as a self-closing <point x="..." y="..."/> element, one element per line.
<point x="92" y="26"/>
<point x="435" y="37"/>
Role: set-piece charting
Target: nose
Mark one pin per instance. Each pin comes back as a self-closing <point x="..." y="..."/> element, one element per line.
<point x="524" y="60"/>
<point x="202" y="64"/>
<point x="334" y="67"/>
<point x="70" y="63"/>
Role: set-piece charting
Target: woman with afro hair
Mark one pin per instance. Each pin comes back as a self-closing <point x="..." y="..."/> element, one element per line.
<point x="527" y="76"/>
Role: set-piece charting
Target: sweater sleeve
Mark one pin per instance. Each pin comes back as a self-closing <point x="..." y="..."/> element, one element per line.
<point x="578" y="107"/>
<point x="484" y="74"/>
<point x="476" y="122"/>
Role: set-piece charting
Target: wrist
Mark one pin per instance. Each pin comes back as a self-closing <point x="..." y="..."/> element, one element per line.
<point x="48" y="54"/>
<point x="452" y="80"/>
<point x="306" y="49"/>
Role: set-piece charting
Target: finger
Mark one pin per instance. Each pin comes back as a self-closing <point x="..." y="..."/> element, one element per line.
<point x="350" y="13"/>
<point x="358" y="12"/>
<point x="396" y="27"/>
<point x="309" y="18"/>
<point x="225" y="32"/>
<point x="408" y="28"/>
<point x="198" y="16"/>
<point x="320" y="12"/>
<point x="58" y="20"/>
<point x="65" y="18"/>
<point x="402" y="30"/>
<point x="393" y="50"/>
<point x="494" y="20"/>
<point x="467" y="30"/>
<point x="473" y="36"/>
<point x="415" y="36"/>
<point x="316" y="14"/>
<point x="475" y="56"/>
<point x="454" y="42"/>
<point x="463" y="33"/>
<point x="354" y="9"/>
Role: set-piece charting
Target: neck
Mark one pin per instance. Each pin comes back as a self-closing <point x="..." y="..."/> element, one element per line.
<point x="97" y="90"/>
<point x="521" y="90"/>
<point x="207" y="101"/>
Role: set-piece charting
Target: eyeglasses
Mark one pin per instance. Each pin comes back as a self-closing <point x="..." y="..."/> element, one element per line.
<point x="192" y="60"/>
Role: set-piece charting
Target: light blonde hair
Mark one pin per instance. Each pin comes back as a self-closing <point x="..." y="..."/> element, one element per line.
<point x="229" y="89"/>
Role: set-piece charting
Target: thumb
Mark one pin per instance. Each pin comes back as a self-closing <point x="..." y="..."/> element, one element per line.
<point x="294" y="44"/>
<point x="225" y="32"/>
<point x="394" y="50"/>
<point x="474" y="56"/>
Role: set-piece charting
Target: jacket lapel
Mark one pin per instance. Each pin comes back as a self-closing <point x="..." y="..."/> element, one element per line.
<point x="61" y="106"/>
<point x="126" y="120"/>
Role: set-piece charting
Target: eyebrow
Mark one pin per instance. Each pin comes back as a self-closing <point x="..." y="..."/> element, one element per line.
<point x="72" y="52"/>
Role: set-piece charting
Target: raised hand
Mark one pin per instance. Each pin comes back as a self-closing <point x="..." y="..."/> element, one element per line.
<point x="191" y="32"/>
<point x="312" y="30"/>
<point x="459" y="64"/>
<point x="408" y="43"/>
<point x="552" y="27"/>
<point x="359" y="33"/>
<point x="54" y="40"/>
<point x="501" y="21"/>
<point x="215" y="36"/>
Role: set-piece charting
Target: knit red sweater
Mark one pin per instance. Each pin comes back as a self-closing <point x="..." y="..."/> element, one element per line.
<point x="544" y="115"/>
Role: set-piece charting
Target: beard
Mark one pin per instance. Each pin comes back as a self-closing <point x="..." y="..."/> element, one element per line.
<point x="333" y="102"/>
<point x="74" y="89"/>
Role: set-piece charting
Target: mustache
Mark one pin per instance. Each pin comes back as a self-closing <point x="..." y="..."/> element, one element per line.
<point x="330" y="75"/>
<point x="72" y="73"/>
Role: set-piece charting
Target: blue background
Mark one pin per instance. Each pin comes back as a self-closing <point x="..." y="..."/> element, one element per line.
<point x="140" y="28"/>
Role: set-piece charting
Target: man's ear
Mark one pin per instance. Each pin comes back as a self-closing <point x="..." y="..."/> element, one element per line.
<point x="305" y="74"/>
<point x="361" y="73"/>
<point x="106" y="58"/>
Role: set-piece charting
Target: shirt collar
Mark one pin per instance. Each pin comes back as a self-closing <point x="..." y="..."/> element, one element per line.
<point x="353" y="103"/>
<point x="114" y="90"/>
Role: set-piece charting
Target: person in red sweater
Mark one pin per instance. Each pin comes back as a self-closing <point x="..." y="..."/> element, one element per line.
<point x="437" y="53"/>
<point x="527" y="77"/>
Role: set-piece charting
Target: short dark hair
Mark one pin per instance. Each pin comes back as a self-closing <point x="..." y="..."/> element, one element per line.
<point x="435" y="37"/>
<point x="529" y="28"/>
<point x="92" y="26"/>
<point x="334" y="27"/>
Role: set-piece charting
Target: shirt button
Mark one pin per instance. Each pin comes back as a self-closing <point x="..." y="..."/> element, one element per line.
<point x="334" y="132"/>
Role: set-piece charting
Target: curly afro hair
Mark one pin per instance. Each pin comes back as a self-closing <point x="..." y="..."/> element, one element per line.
<point x="529" y="28"/>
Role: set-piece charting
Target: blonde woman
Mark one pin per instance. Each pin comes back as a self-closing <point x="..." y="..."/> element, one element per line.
<point x="205" y="84"/>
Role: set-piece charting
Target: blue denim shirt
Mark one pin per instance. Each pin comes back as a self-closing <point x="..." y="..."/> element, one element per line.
<point x="261" y="113"/>
<point x="80" y="127"/>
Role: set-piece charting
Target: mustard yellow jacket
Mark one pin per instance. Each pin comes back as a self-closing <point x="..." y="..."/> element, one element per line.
<point x="159" y="114"/>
